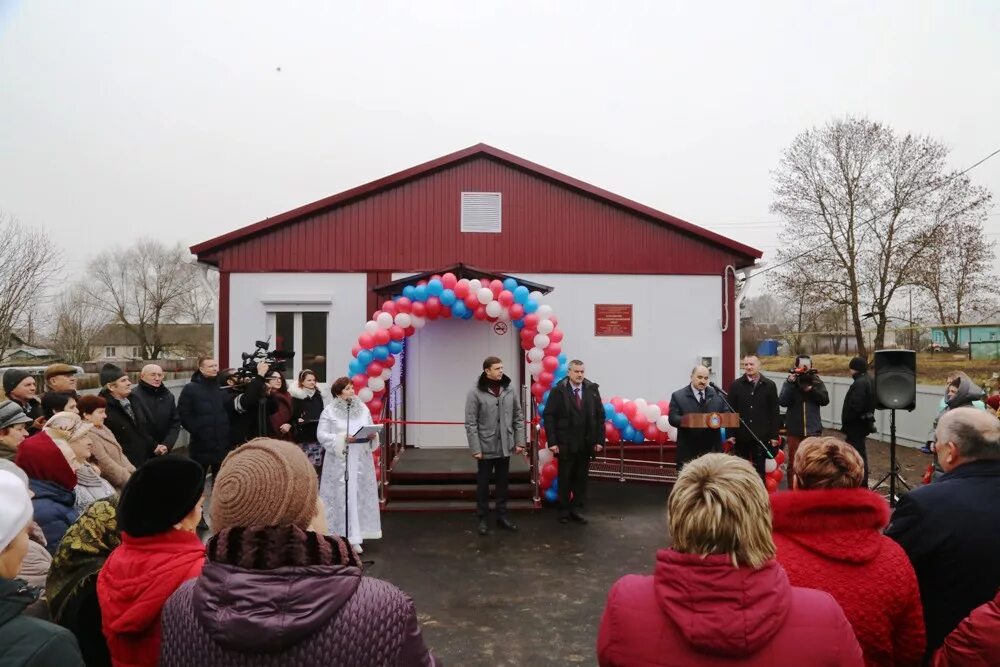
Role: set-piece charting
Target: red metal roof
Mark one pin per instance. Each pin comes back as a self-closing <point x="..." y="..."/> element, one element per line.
<point x="225" y="249"/>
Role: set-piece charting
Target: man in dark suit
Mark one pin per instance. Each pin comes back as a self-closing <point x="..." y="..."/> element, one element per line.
<point x="694" y="398"/>
<point x="857" y="418"/>
<point x="951" y="529"/>
<point x="574" y="424"/>
<point x="755" y="397"/>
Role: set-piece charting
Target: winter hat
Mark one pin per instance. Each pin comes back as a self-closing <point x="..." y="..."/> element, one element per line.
<point x="10" y="466"/>
<point x="159" y="494"/>
<point x="265" y="482"/>
<point x="858" y="364"/>
<point x="12" y="378"/>
<point x="15" y="508"/>
<point x="12" y="414"/>
<point x="41" y="458"/>
<point x="111" y="373"/>
<point x="58" y="369"/>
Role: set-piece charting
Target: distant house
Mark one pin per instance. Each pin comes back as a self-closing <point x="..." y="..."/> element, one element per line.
<point x="967" y="333"/>
<point x="21" y="353"/>
<point x="180" y="341"/>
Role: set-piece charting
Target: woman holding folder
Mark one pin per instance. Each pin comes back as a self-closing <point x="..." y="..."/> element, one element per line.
<point x="349" y="459"/>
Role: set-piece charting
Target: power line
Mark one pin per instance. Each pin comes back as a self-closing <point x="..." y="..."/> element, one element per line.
<point x="875" y="217"/>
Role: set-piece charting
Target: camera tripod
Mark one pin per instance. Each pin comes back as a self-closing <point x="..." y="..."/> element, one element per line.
<point x="893" y="476"/>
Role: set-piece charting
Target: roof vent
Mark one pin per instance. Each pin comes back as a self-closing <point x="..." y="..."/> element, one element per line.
<point x="481" y="212"/>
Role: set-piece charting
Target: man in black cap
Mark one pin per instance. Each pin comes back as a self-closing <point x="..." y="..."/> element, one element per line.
<point x="127" y="419"/>
<point x="21" y="388"/>
<point x="857" y="418"/>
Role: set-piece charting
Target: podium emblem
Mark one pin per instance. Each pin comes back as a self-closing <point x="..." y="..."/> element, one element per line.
<point x="714" y="420"/>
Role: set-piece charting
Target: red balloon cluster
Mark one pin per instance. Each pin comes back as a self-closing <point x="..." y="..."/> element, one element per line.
<point x="773" y="478"/>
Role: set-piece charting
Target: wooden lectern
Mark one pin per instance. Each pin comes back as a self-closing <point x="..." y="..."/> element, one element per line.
<point x="714" y="420"/>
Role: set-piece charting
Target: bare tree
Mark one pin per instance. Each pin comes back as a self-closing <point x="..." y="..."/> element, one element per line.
<point x="78" y="321"/>
<point x="142" y="288"/>
<point x="861" y="206"/>
<point x="29" y="264"/>
<point x="956" y="276"/>
<point x="197" y="306"/>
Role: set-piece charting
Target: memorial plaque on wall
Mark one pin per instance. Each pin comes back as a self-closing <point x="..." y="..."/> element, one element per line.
<point x="613" y="319"/>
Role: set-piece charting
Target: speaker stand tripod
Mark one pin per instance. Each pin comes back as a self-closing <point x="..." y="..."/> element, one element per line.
<point x="893" y="476"/>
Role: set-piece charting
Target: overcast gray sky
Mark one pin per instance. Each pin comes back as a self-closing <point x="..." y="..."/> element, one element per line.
<point x="173" y="119"/>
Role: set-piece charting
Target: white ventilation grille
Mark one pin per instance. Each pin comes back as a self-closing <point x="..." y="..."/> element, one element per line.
<point x="481" y="212"/>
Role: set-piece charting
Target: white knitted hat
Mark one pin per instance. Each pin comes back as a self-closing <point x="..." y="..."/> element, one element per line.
<point x="15" y="507"/>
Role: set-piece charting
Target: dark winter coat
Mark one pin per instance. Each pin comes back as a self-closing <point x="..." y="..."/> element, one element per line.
<point x="33" y="408"/>
<point x="164" y="421"/>
<point x="131" y="433"/>
<point x="693" y="442"/>
<point x="832" y="540"/>
<point x="308" y="408"/>
<point x="29" y="642"/>
<point x="54" y="510"/>
<point x="976" y="640"/>
<point x="951" y="531"/>
<point x="574" y="430"/>
<point x="244" y="406"/>
<point x="494" y="425"/>
<point x="312" y="609"/>
<point x="857" y="418"/>
<point x="702" y="611"/>
<point x="202" y="410"/>
<point x="757" y="404"/>
<point x="802" y="417"/>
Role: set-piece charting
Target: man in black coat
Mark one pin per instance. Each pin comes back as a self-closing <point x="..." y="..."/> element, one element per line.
<point x="857" y="417"/>
<point x="164" y="421"/>
<point x="755" y="398"/>
<point x="127" y="418"/>
<point x="202" y="411"/>
<point x="951" y="529"/>
<point x="694" y="398"/>
<point x="574" y="424"/>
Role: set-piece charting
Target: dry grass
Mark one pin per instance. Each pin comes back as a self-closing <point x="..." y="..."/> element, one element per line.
<point x="931" y="368"/>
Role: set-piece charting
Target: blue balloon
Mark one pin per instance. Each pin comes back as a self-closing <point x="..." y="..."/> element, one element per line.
<point x="459" y="308"/>
<point x="395" y="346"/>
<point x="519" y="324"/>
<point x="420" y="293"/>
<point x="510" y="284"/>
<point x="530" y="306"/>
<point x="355" y="367"/>
<point x="435" y="287"/>
<point x="560" y="373"/>
<point x="541" y="407"/>
<point x="408" y="292"/>
<point x="609" y="411"/>
<point x="365" y="357"/>
<point x="448" y="298"/>
<point x="628" y="433"/>
<point x="551" y="495"/>
<point x="638" y="437"/>
<point x="555" y="485"/>
<point x="620" y="421"/>
<point x="468" y="314"/>
<point x="380" y="352"/>
<point x="521" y="294"/>
<point x="563" y="368"/>
<point x="563" y="359"/>
<point x="545" y="396"/>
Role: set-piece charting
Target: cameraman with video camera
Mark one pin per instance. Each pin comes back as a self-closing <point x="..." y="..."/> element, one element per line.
<point x="802" y="394"/>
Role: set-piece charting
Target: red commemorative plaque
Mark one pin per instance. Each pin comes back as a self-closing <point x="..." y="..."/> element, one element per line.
<point x="613" y="319"/>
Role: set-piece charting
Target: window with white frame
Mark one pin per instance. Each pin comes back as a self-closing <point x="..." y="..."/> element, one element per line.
<point x="110" y="352"/>
<point x="303" y="333"/>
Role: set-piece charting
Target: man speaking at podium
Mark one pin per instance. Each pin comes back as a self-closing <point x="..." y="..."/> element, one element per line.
<point x="697" y="397"/>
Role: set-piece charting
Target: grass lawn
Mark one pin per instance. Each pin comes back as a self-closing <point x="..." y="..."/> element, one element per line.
<point x="931" y="368"/>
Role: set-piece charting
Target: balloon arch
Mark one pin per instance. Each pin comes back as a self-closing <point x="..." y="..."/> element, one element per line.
<point x="445" y="296"/>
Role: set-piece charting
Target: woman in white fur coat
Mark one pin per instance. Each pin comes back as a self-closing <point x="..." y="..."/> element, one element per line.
<point x="346" y="414"/>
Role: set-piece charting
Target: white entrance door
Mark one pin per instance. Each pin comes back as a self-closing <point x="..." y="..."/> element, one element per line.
<point x="443" y="361"/>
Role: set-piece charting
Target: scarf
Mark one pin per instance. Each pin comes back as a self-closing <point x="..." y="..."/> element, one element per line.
<point x="339" y="409"/>
<point x="271" y="547"/>
<point x="82" y="552"/>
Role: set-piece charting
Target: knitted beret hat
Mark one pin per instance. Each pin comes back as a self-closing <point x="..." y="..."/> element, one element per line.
<point x="265" y="482"/>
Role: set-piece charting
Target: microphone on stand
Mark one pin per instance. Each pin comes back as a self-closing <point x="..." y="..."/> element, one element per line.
<point x="712" y="385"/>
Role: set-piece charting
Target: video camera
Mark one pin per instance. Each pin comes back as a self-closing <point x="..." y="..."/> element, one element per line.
<point x="804" y="373"/>
<point x="274" y="358"/>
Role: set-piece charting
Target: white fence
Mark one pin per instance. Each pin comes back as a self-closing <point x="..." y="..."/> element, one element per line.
<point x="912" y="428"/>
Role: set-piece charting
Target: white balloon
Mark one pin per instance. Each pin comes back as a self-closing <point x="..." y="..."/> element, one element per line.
<point x="493" y="308"/>
<point x="663" y="423"/>
<point x="371" y="326"/>
<point x="534" y="368"/>
<point x="475" y="285"/>
<point x="417" y="322"/>
<point x="545" y="457"/>
<point x="545" y="327"/>
<point x="484" y="295"/>
<point x="542" y="341"/>
<point x="536" y="296"/>
<point x="536" y="354"/>
<point x="404" y="320"/>
<point x="386" y="373"/>
<point x="671" y="433"/>
<point x="641" y="405"/>
<point x="384" y="320"/>
<point x="376" y="384"/>
<point x="365" y="394"/>
<point x="770" y="465"/>
<point x="652" y="412"/>
<point x="544" y="312"/>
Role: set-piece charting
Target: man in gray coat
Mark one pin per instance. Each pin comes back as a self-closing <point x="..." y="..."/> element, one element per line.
<point x="494" y="425"/>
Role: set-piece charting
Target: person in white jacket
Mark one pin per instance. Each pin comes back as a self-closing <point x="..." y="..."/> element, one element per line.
<point x="345" y="415"/>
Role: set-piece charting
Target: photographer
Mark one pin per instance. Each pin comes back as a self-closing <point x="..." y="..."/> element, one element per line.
<point x="802" y="394"/>
<point x="857" y="419"/>
<point x="249" y="396"/>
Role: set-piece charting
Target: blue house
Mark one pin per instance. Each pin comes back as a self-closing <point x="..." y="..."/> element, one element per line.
<point x="967" y="333"/>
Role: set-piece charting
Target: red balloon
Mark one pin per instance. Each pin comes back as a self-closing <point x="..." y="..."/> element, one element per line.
<point x="629" y="409"/>
<point x="779" y="457"/>
<point x="543" y="436"/>
<point x="639" y="421"/>
<point x="434" y="277"/>
<point x="661" y="436"/>
<point x="611" y="433"/>
<point x="651" y="432"/>
<point x="375" y="315"/>
<point x="433" y="307"/>
<point x="403" y="305"/>
<point x="421" y="282"/>
<point x="505" y="298"/>
<point x="410" y="330"/>
<point x="555" y="320"/>
<point x="419" y="309"/>
<point x="617" y="403"/>
<point x="771" y="485"/>
<point x="449" y="280"/>
<point x="472" y="302"/>
<point x="545" y="378"/>
<point x="553" y="350"/>
<point x="375" y="406"/>
<point x="556" y="336"/>
<point x="375" y="369"/>
<point x="381" y="337"/>
<point x="550" y="363"/>
<point x="530" y="321"/>
<point x="389" y="361"/>
<point x="461" y="288"/>
<point x="389" y="307"/>
<point x="396" y="332"/>
<point x="516" y="311"/>
<point x="537" y="390"/>
<point x="480" y="313"/>
<point x="664" y="407"/>
<point x="445" y="311"/>
<point x="355" y="350"/>
<point x="777" y="475"/>
<point x="496" y="287"/>
<point x="360" y="381"/>
<point x="366" y="340"/>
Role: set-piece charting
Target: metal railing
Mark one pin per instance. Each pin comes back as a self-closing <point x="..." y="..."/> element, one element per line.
<point x="393" y="443"/>
<point x="649" y="469"/>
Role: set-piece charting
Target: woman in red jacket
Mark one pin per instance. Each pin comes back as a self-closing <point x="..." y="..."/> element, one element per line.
<point x="829" y="537"/>
<point x="159" y="510"/>
<point x="718" y="596"/>
<point x="976" y="640"/>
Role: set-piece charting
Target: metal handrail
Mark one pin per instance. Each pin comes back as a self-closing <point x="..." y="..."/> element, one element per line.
<point x="532" y="441"/>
